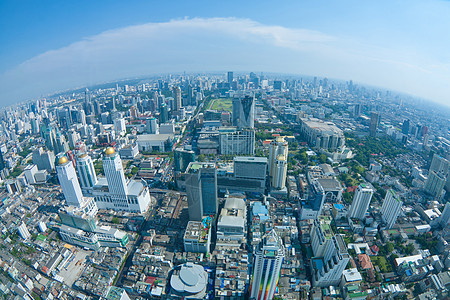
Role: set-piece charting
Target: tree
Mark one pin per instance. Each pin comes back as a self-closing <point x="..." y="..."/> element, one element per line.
<point x="115" y="220"/>
<point x="322" y="158"/>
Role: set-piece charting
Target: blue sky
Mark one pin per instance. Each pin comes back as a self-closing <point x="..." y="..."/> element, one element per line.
<point x="54" y="45"/>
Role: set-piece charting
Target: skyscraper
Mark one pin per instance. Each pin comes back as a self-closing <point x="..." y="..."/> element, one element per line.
<point x="112" y="166"/>
<point x="163" y="113"/>
<point x="435" y="184"/>
<point x="277" y="147"/>
<point x="183" y="158"/>
<point x="230" y="77"/>
<point x="329" y="252"/>
<point x="391" y="208"/>
<point x="201" y="190"/>
<point x="279" y="172"/>
<point x="405" y="127"/>
<point x="361" y="201"/>
<point x="374" y="120"/>
<point x="267" y="267"/>
<point x="86" y="171"/>
<point x="440" y="165"/>
<point x="176" y="90"/>
<point x="243" y="112"/>
<point x="69" y="182"/>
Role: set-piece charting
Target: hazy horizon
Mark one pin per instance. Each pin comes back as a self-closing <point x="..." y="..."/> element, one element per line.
<point x="395" y="46"/>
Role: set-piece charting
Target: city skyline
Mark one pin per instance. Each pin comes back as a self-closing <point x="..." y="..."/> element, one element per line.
<point x="369" y="44"/>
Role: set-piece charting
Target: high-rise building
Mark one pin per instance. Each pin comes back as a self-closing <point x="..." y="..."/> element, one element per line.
<point x="176" y="90"/>
<point x="243" y="112"/>
<point x="201" y="190"/>
<point x="444" y="219"/>
<point x="329" y="252"/>
<point x="435" y="184"/>
<point x="391" y="208"/>
<point x="269" y="258"/>
<point x="361" y="201"/>
<point x="357" y="110"/>
<point x="112" y="166"/>
<point x="23" y="231"/>
<point x="163" y="113"/>
<point x="277" y="147"/>
<point x="119" y="126"/>
<point x="237" y="142"/>
<point x="69" y="182"/>
<point x="373" y="126"/>
<point x="405" y="127"/>
<point x="279" y="172"/>
<point x="2" y="161"/>
<point x="86" y="171"/>
<point x="230" y="77"/>
<point x="183" y="158"/>
<point x="440" y="165"/>
<point x="151" y="126"/>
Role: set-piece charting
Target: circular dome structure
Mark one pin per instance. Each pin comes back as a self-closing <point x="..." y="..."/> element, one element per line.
<point x="190" y="280"/>
<point x="62" y="160"/>
<point x="110" y="151"/>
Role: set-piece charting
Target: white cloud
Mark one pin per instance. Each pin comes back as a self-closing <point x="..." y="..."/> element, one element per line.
<point x="215" y="44"/>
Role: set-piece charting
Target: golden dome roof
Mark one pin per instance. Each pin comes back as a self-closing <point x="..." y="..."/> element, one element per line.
<point x="110" y="151"/>
<point x="62" y="160"/>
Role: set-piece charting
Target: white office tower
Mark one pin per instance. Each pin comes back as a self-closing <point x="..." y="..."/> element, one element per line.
<point x="69" y="182"/>
<point x="279" y="172"/>
<point x="267" y="267"/>
<point x="361" y="201"/>
<point x="435" y="184"/>
<point x="120" y="127"/>
<point x="277" y="147"/>
<point x="23" y="231"/>
<point x="330" y="254"/>
<point x="112" y="166"/>
<point x="440" y="165"/>
<point x="86" y="171"/>
<point x="391" y="208"/>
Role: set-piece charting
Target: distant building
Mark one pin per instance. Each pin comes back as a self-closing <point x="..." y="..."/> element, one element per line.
<point x="243" y="112"/>
<point x="361" y="201"/>
<point x="129" y="151"/>
<point x="435" y="184"/>
<point x="279" y="172"/>
<point x="277" y="147"/>
<point x="44" y="160"/>
<point x="373" y="125"/>
<point x="237" y="142"/>
<point x="391" y="208"/>
<point x="230" y="77"/>
<point x="201" y="190"/>
<point x="23" y="231"/>
<point x="321" y="134"/>
<point x="155" y="142"/>
<point x="182" y="158"/>
<point x="86" y="171"/>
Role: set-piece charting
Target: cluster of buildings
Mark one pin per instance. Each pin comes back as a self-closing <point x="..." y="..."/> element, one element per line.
<point x="248" y="219"/>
